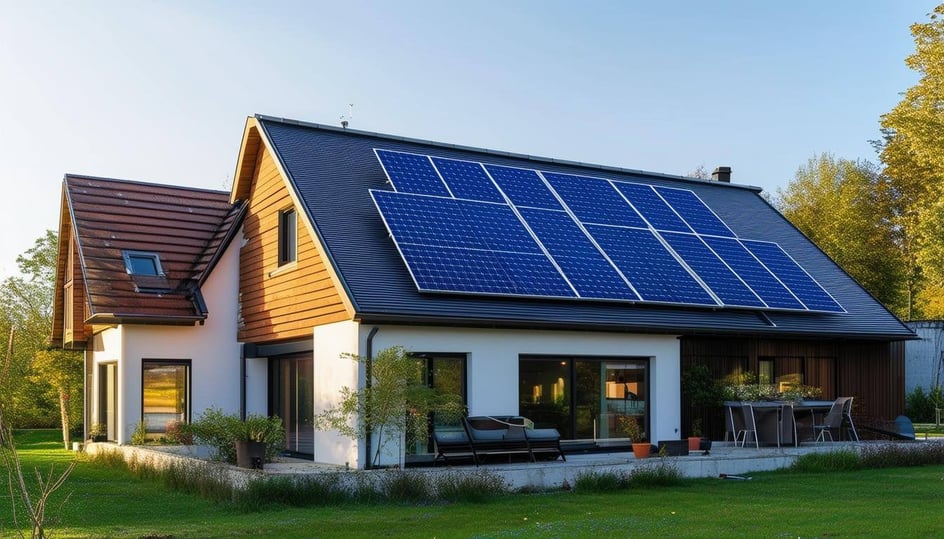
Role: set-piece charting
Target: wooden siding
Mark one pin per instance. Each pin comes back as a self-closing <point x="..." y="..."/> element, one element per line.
<point x="281" y="303"/>
<point x="871" y="371"/>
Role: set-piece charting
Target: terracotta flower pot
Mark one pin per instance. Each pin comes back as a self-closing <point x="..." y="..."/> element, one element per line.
<point x="694" y="443"/>
<point x="641" y="450"/>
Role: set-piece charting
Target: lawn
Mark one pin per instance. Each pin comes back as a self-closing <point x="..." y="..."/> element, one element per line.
<point x="892" y="502"/>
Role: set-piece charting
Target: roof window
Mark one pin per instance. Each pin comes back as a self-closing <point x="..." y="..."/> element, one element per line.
<point x="143" y="263"/>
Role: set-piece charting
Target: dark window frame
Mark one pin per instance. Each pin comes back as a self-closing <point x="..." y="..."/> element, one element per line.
<point x="188" y="363"/>
<point x="155" y="258"/>
<point x="288" y="236"/>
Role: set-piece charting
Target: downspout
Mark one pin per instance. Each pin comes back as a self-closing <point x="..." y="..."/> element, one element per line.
<point x="369" y="354"/>
<point x="242" y="382"/>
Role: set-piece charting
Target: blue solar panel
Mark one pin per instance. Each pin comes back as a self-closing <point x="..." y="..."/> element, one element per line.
<point x="411" y="173"/>
<point x="764" y="284"/>
<point x="497" y="226"/>
<point x="712" y="271"/>
<point x="594" y="200"/>
<point x="695" y="212"/>
<point x="652" y="207"/>
<point x="791" y="274"/>
<point x="426" y="220"/>
<point x="651" y="269"/>
<point x="523" y="187"/>
<point x="467" y="180"/>
<point x="583" y="264"/>
<point x="442" y="269"/>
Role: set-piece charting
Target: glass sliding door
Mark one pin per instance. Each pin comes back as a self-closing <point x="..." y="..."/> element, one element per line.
<point x="108" y="399"/>
<point x="583" y="398"/>
<point x="291" y="397"/>
<point x="446" y="374"/>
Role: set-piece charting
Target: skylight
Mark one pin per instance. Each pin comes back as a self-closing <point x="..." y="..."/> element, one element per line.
<point x="142" y="263"/>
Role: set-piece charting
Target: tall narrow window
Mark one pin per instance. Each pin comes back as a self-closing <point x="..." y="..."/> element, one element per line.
<point x="165" y="393"/>
<point x="288" y="237"/>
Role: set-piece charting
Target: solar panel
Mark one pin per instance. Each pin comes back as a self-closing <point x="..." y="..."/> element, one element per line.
<point x="467" y="180"/>
<point x="523" y="187"/>
<point x="764" y="284"/>
<point x="582" y="263"/>
<point x="694" y="211"/>
<point x="726" y="285"/>
<point x="791" y="274"/>
<point x="478" y="228"/>
<point x="412" y="173"/>
<point x="594" y="200"/>
<point x="652" y="207"/>
<point x="652" y="270"/>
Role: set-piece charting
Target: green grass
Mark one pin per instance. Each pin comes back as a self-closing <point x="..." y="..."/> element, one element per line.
<point x="890" y="502"/>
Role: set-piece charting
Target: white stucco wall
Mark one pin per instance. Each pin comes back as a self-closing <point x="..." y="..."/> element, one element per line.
<point x="332" y="371"/>
<point x="492" y="363"/>
<point x="211" y="348"/>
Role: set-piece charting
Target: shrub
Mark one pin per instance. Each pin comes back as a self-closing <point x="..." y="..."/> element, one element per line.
<point x="477" y="487"/>
<point x="179" y="433"/>
<point x="921" y="407"/>
<point x="139" y="436"/>
<point x="844" y="460"/>
<point x="895" y="455"/>
<point x="401" y="486"/>
<point x="221" y="431"/>
<point x="594" y="481"/>
<point x="664" y="474"/>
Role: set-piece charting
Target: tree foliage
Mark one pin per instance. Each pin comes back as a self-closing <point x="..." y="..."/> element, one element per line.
<point x="43" y="389"/>
<point x="848" y="209"/>
<point x="912" y="151"/>
<point x="396" y="403"/>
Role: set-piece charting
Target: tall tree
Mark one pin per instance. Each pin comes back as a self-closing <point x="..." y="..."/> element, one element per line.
<point x="41" y="386"/>
<point x="847" y="208"/>
<point x="912" y="151"/>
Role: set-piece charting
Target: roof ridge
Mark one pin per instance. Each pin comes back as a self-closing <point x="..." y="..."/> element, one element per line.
<point x="502" y="153"/>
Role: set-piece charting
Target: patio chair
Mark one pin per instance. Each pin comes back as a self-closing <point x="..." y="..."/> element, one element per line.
<point x="750" y="425"/>
<point x="847" y="416"/>
<point x="831" y="421"/>
<point x="734" y="424"/>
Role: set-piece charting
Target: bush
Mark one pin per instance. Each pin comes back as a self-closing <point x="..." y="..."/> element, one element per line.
<point x="895" y="455"/>
<point x="476" y="487"/>
<point x="139" y="436"/>
<point x="845" y="460"/>
<point x="663" y="474"/>
<point x="921" y="407"/>
<point x="318" y="490"/>
<point x="594" y="481"/>
<point x="401" y="486"/>
<point x="221" y="431"/>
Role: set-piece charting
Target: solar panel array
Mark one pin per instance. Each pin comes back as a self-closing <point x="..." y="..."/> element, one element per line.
<point x="479" y="228"/>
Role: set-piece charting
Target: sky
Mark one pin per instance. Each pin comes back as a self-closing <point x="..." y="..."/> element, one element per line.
<point x="159" y="91"/>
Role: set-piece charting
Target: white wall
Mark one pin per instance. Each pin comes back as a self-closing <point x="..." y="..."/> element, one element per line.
<point x="492" y="364"/>
<point x="107" y="347"/>
<point x="332" y="371"/>
<point x="212" y="349"/>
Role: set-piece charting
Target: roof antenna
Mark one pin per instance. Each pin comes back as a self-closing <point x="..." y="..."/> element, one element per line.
<point x="349" y="117"/>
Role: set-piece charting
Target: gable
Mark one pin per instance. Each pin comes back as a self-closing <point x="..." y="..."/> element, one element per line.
<point x="280" y="302"/>
<point x="333" y="171"/>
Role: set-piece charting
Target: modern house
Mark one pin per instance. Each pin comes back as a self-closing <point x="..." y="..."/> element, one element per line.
<point x="569" y="293"/>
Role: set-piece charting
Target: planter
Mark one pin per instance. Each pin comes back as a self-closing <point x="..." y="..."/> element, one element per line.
<point x="641" y="450"/>
<point x="694" y="443"/>
<point x="250" y="454"/>
<point x="673" y="448"/>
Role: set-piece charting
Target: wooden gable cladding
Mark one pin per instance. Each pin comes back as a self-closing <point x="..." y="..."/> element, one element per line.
<point x="70" y="303"/>
<point x="278" y="303"/>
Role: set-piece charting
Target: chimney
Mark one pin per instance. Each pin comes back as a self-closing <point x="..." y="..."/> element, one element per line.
<point x="722" y="174"/>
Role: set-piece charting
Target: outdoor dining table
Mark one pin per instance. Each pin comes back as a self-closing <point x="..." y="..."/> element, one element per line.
<point x="776" y="421"/>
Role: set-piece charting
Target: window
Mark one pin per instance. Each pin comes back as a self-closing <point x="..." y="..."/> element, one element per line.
<point x="165" y="393"/>
<point x="288" y="237"/>
<point x="446" y="374"/>
<point x="142" y="263"/>
<point x="583" y="397"/>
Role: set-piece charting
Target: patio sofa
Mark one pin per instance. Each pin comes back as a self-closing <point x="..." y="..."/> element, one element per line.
<point x="485" y="436"/>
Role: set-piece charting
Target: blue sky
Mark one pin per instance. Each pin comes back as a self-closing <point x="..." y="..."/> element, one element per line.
<point x="159" y="91"/>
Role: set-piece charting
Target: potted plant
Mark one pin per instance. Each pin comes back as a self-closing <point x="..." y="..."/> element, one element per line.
<point x="694" y="441"/>
<point x="98" y="432"/>
<point x="228" y="434"/>
<point x="703" y="391"/>
<point x="629" y="425"/>
<point x="253" y="435"/>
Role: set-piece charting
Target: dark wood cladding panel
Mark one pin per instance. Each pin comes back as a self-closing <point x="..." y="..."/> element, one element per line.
<point x="870" y="371"/>
<point x="280" y="304"/>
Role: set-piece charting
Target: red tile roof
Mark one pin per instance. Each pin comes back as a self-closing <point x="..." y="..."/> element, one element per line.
<point x="185" y="227"/>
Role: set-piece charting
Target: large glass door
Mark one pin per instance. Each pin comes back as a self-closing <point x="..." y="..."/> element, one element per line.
<point x="446" y="374"/>
<point x="291" y="397"/>
<point x="108" y="399"/>
<point x="583" y="398"/>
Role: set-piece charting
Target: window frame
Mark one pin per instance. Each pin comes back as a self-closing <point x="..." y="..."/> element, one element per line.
<point x="288" y="237"/>
<point x="127" y="256"/>
<point x="188" y="389"/>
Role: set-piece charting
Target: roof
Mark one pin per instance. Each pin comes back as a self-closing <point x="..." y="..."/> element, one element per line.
<point x="331" y="168"/>
<point x="186" y="227"/>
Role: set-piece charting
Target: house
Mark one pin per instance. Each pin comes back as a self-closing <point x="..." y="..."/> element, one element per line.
<point x="924" y="357"/>
<point x="569" y="293"/>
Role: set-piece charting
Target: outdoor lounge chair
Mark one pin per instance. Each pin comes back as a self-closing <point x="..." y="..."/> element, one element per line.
<point x="505" y="435"/>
